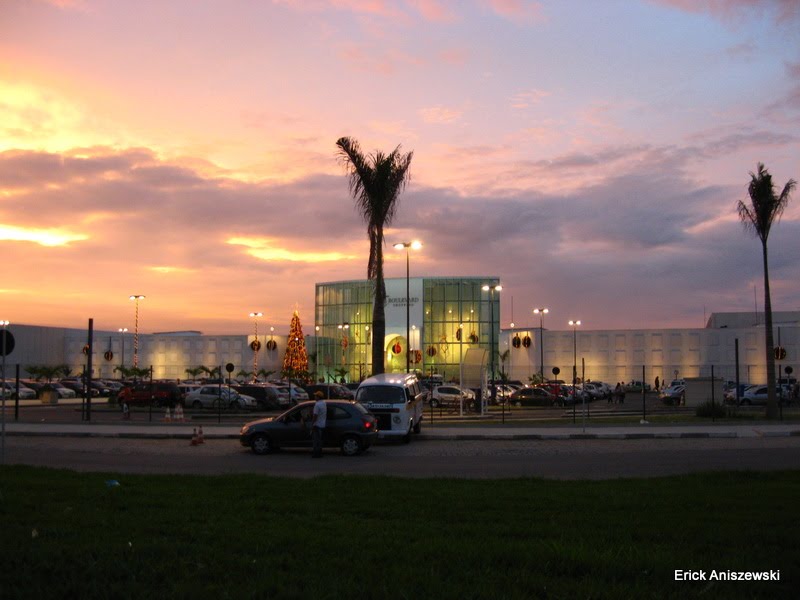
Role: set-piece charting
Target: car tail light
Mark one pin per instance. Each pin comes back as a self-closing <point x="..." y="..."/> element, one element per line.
<point x="368" y="424"/>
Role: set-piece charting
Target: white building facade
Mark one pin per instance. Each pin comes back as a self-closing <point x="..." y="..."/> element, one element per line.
<point x="620" y="355"/>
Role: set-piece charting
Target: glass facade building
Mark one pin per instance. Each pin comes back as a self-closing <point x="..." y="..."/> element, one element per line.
<point x="438" y="320"/>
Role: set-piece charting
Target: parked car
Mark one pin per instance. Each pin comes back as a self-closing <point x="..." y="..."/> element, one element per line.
<point x="604" y="388"/>
<point x="593" y="391"/>
<point x="266" y="396"/>
<point x="636" y="386"/>
<point x="214" y="396"/>
<point x="296" y="393"/>
<point x="159" y="393"/>
<point x="755" y="394"/>
<point x="673" y="395"/>
<point x="729" y="395"/>
<point x="77" y="386"/>
<point x="349" y="426"/>
<point x="334" y="391"/>
<point x="103" y="390"/>
<point x="63" y="392"/>
<point x="535" y="396"/>
<point x="185" y="388"/>
<point x="36" y="386"/>
<point x="25" y="393"/>
<point x="450" y="395"/>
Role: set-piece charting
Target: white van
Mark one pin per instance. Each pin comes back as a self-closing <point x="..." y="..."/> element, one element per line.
<point x="397" y="400"/>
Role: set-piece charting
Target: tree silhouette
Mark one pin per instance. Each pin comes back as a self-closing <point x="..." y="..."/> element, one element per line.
<point x="765" y="208"/>
<point x="375" y="184"/>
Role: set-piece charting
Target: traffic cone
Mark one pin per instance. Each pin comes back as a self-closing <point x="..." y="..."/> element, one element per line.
<point x="200" y="439"/>
<point x="194" y="437"/>
<point x="179" y="413"/>
<point x="167" y="417"/>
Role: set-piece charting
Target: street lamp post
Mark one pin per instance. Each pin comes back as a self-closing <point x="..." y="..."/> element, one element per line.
<point x="256" y="344"/>
<point x="136" y="298"/>
<point x="344" y="341"/>
<point x="122" y="332"/>
<point x="416" y="245"/>
<point x="574" y="325"/>
<point x="492" y="289"/>
<point x="4" y="324"/>
<point x="541" y="312"/>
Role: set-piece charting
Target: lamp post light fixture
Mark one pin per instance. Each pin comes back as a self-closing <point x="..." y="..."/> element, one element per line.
<point x="492" y="289"/>
<point x="122" y="332"/>
<point x="256" y="345"/>
<point x="415" y="245"/>
<point x="541" y="312"/>
<point x="136" y="298"/>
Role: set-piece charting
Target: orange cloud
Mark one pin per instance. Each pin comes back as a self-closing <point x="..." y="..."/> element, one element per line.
<point x="43" y="237"/>
<point x="265" y="249"/>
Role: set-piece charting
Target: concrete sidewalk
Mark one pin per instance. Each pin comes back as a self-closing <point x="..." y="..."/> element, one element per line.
<point x="447" y="433"/>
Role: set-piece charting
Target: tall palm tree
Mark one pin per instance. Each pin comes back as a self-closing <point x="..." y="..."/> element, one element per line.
<point x="765" y="208"/>
<point x="375" y="184"/>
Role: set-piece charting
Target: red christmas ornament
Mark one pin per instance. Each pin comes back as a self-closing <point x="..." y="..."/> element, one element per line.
<point x="397" y="348"/>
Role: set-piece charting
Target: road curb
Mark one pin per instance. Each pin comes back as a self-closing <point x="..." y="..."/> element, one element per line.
<point x="210" y="434"/>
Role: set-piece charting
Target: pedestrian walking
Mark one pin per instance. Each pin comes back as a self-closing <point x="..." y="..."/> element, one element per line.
<point x="617" y="393"/>
<point x="658" y="384"/>
<point x="318" y="421"/>
<point x="622" y="393"/>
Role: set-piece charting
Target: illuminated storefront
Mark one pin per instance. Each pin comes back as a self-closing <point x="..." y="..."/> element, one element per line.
<point x="446" y="317"/>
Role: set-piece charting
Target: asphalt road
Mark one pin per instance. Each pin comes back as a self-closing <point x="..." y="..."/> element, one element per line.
<point x="484" y="459"/>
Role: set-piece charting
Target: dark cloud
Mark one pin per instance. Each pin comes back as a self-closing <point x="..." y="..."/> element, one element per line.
<point x="782" y="11"/>
<point x="643" y="247"/>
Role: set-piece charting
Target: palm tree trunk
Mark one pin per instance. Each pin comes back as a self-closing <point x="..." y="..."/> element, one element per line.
<point x="378" y="308"/>
<point x="772" y="403"/>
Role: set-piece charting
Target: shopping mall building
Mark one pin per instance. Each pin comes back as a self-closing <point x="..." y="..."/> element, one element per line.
<point x="445" y="322"/>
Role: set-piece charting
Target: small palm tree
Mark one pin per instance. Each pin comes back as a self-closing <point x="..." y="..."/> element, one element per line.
<point x="193" y="372"/>
<point x="375" y="184"/>
<point x="264" y="373"/>
<point x="765" y="208"/>
<point x="246" y="375"/>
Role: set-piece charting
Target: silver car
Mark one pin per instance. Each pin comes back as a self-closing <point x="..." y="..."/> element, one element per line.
<point x="25" y="393"/>
<point x="214" y="396"/>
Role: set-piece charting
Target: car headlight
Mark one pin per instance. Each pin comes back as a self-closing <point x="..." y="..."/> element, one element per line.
<point x="245" y="429"/>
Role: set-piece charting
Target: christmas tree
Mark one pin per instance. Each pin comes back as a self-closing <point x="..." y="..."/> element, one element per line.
<point x="296" y="359"/>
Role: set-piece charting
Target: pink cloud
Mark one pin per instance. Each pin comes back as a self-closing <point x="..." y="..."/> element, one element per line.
<point x="517" y="9"/>
<point x="433" y="10"/>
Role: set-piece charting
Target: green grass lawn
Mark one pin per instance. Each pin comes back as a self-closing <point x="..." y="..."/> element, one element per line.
<point x="65" y="534"/>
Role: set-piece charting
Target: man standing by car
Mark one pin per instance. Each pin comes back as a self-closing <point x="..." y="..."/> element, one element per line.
<point x="318" y="418"/>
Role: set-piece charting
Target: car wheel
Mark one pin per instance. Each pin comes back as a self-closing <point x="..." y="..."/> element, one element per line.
<point x="197" y="404"/>
<point x="407" y="437"/>
<point x="233" y="405"/>
<point x="418" y="427"/>
<point x="746" y="402"/>
<point x="434" y="403"/>
<point x="261" y="444"/>
<point x="351" y="445"/>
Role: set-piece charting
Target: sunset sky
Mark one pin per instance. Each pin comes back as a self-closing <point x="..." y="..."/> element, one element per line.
<point x="588" y="153"/>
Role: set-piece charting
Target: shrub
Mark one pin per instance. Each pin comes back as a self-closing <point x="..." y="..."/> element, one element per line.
<point x="707" y="409"/>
